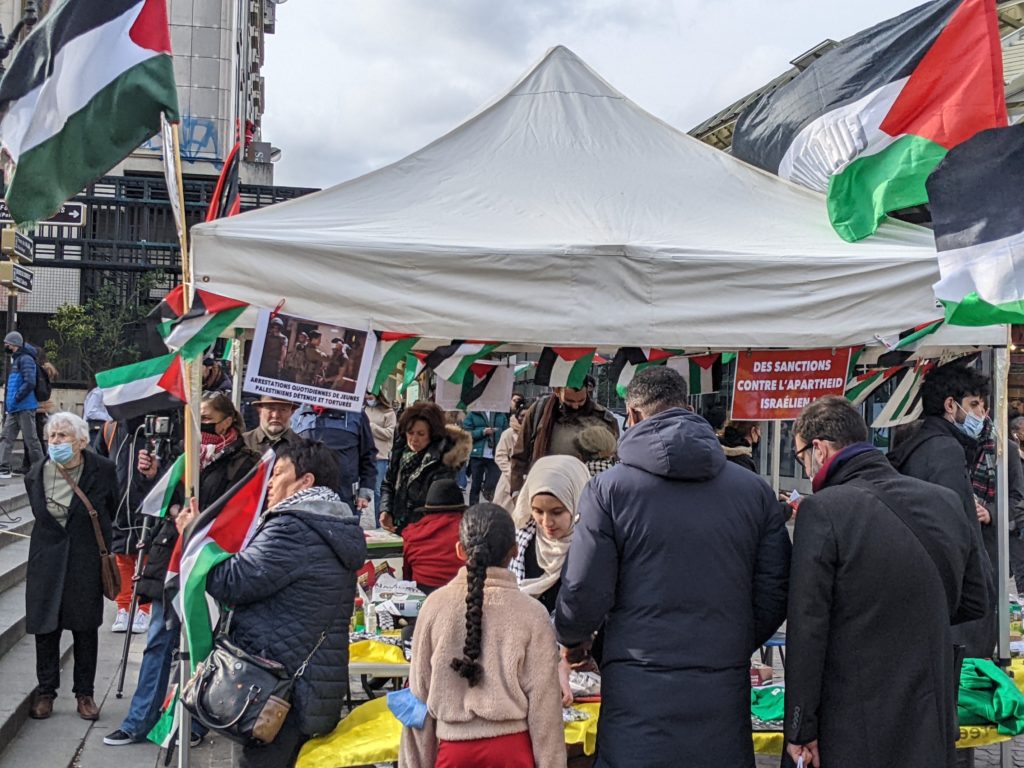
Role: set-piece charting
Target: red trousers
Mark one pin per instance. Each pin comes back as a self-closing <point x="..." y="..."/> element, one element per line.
<point x="126" y="565"/>
<point x="512" y="751"/>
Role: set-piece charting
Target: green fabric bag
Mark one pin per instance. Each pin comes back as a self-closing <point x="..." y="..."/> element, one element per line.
<point x="768" y="703"/>
<point x="988" y="695"/>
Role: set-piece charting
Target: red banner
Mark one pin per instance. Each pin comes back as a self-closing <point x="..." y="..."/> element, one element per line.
<point x="776" y="385"/>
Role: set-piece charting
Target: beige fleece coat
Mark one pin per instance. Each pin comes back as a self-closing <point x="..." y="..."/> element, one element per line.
<point x="383" y="423"/>
<point x="519" y="689"/>
<point x="503" y="458"/>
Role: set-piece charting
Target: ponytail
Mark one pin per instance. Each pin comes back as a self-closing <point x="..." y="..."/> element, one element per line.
<point x="487" y="534"/>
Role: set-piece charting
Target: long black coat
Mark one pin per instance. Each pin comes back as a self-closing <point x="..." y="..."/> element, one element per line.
<point x="684" y="558"/>
<point x="870" y="670"/>
<point x="295" y="579"/>
<point x="63" y="587"/>
<point x="937" y="452"/>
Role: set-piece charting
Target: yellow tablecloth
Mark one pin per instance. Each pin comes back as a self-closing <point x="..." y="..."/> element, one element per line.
<point x="371" y="734"/>
<point x="369" y="652"/>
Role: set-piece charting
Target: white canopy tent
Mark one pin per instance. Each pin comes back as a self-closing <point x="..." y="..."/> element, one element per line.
<point x="564" y="214"/>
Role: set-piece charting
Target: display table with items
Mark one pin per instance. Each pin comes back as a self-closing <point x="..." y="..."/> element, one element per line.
<point x="991" y="710"/>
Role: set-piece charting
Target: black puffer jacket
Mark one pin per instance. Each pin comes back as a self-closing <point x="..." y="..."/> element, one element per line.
<point x="401" y="495"/>
<point x="214" y="481"/>
<point x="295" y="579"/>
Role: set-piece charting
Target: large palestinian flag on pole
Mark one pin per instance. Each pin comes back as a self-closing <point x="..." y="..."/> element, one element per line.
<point x="391" y="350"/>
<point x="86" y="87"/>
<point x="219" y="532"/>
<point x="141" y="388"/>
<point x="978" y="216"/>
<point x="869" y="120"/>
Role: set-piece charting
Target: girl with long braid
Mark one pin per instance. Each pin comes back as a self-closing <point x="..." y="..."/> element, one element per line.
<point x="485" y="663"/>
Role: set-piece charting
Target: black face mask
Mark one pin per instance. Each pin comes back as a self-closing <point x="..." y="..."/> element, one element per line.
<point x="209" y="429"/>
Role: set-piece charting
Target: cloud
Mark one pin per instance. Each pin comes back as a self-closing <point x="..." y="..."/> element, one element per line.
<point x="354" y="86"/>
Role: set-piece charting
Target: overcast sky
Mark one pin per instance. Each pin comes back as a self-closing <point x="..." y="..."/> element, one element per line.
<point x="352" y="86"/>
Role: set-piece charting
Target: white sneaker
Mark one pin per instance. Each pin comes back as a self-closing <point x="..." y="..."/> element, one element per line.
<point x="141" y="623"/>
<point x="121" y="622"/>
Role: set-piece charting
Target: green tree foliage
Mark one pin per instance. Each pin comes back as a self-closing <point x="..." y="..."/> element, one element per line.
<point x="101" y="333"/>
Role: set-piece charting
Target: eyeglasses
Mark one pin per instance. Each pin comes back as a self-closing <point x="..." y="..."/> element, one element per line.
<point x="810" y="444"/>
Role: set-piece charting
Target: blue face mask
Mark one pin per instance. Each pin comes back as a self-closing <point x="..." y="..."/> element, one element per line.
<point x="972" y="425"/>
<point x="61" y="452"/>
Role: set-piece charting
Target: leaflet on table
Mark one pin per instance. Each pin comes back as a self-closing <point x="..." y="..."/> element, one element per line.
<point x="399" y="598"/>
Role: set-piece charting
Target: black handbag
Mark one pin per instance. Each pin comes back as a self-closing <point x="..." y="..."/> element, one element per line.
<point x="240" y="695"/>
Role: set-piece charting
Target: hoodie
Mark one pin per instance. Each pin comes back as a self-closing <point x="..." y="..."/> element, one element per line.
<point x="294" y="580"/>
<point x="675" y="542"/>
<point x="20" y="394"/>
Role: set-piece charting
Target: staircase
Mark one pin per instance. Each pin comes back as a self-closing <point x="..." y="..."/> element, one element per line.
<point x="17" y="650"/>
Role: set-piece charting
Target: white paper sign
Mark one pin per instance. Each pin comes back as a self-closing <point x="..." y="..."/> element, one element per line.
<point x="307" y="361"/>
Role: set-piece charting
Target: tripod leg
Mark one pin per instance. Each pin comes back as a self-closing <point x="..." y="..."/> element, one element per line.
<point x="139" y="561"/>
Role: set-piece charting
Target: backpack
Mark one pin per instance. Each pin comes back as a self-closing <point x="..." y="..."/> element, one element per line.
<point x="44" y="387"/>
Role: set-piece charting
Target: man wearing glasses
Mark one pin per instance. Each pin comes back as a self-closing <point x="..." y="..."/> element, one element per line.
<point x="882" y="565"/>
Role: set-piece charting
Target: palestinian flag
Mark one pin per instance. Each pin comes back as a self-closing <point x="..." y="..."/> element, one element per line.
<point x="859" y="387"/>
<point x="476" y="381"/>
<point x="979" y="230"/>
<point x="141" y="388"/>
<point x="521" y="369"/>
<point x="414" y="365"/>
<point x="902" y="347"/>
<point x="226" y="199"/>
<point x="703" y="373"/>
<point x="192" y="333"/>
<point x="166" y="727"/>
<point x="869" y="120"/>
<point x="905" y="404"/>
<point x="391" y="350"/>
<point x="219" y="532"/>
<point x="452" y="362"/>
<point x="85" y="88"/>
<point x="629" y="361"/>
<point x="159" y="499"/>
<point x="563" y="367"/>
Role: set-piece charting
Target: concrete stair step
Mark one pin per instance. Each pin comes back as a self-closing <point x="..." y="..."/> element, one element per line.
<point x="13" y="563"/>
<point x="18" y="673"/>
<point x="15" y="518"/>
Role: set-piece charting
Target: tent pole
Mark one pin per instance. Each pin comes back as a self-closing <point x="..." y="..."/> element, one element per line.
<point x="237" y="360"/>
<point x="776" y="455"/>
<point x="1001" y="411"/>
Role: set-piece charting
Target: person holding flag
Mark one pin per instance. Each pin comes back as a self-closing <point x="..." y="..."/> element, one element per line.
<point x="291" y="591"/>
<point x="219" y="472"/>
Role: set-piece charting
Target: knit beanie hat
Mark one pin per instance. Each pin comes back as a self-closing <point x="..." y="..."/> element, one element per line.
<point x="15" y="339"/>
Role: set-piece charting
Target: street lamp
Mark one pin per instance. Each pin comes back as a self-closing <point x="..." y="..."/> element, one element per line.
<point x="28" y="20"/>
<point x="29" y="17"/>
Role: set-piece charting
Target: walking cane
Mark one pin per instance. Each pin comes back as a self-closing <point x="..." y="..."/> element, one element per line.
<point x="139" y="562"/>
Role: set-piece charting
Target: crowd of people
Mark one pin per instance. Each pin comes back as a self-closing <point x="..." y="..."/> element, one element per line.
<point x="657" y="556"/>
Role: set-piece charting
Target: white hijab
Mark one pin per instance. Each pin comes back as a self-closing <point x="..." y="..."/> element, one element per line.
<point x="563" y="477"/>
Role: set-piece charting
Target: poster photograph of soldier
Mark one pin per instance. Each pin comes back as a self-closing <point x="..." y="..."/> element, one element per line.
<point x="309" y="361"/>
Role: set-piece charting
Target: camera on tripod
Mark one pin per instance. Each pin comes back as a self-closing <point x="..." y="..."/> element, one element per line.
<point x="157" y="430"/>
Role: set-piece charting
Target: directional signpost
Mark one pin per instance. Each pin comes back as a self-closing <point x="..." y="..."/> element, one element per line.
<point x="17" y="249"/>
<point x="69" y="215"/>
<point x="16" y="276"/>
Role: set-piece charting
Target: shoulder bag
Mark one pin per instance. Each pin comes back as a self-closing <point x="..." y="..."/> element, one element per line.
<point x="242" y="696"/>
<point x="109" y="573"/>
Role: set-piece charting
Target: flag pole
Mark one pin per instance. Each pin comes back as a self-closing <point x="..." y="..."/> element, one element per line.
<point x="191" y="447"/>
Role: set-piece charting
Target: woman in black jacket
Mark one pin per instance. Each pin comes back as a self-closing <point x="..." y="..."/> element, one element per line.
<point x="738" y="440"/>
<point x="63" y="585"/>
<point x="220" y="468"/>
<point x="427" y="450"/>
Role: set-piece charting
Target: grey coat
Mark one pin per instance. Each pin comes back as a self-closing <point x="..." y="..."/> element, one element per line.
<point x="295" y="579"/>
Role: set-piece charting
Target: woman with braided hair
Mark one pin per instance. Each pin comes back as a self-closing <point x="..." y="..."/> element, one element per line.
<point x="485" y="663"/>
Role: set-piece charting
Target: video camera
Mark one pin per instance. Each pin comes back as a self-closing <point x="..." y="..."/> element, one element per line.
<point x="158" y="431"/>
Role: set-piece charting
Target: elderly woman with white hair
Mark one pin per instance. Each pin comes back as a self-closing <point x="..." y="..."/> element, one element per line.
<point x="63" y="586"/>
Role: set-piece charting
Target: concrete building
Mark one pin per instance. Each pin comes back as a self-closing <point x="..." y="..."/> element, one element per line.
<point x="128" y="229"/>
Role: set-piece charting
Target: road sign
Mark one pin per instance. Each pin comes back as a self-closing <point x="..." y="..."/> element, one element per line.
<point x="17" y="246"/>
<point x="69" y="215"/>
<point x="16" y="276"/>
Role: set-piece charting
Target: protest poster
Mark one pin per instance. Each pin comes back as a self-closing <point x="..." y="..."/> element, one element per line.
<point x="775" y="385"/>
<point x="308" y="361"/>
